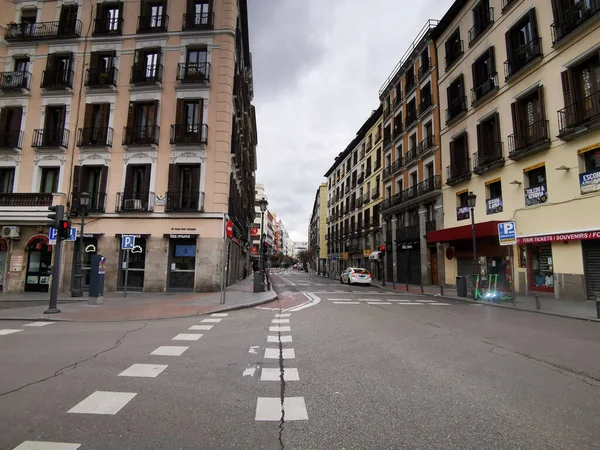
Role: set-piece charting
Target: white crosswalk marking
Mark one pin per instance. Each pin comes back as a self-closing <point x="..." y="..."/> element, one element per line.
<point x="440" y="304"/>
<point x="143" y="370"/>
<point x="280" y="321"/>
<point x="38" y="324"/>
<point x="39" y="445"/>
<point x="8" y="331"/>
<point x="277" y="339"/>
<point x="187" y="337"/>
<point x="201" y="327"/>
<point x="167" y="350"/>
<point x="273" y="353"/>
<point x="276" y="329"/>
<point x="270" y="409"/>
<point x="347" y="303"/>
<point x="289" y="374"/>
<point x="103" y="402"/>
<point x="219" y="315"/>
<point x="211" y="320"/>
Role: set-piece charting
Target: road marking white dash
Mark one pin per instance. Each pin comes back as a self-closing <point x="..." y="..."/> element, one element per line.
<point x="219" y="315"/>
<point x="273" y="353"/>
<point x="270" y="409"/>
<point x="38" y="445"/>
<point x="254" y="349"/>
<point x="289" y="374"/>
<point x="211" y="320"/>
<point x="277" y="339"/>
<point x="38" y="324"/>
<point x="201" y="327"/>
<point x="340" y="299"/>
<point x="379" y="303"/>
<point x="282" y="315"/>
<point x="8" y="331"/>
<point x="103" y="402"/>
<point x="424" y="301"/>
<point x="280" y="321"/>
<point x="167" y="350"/>
<point x="187" y="337"/>
<point x="276" y="329"/>
<point x="249" y="371"/>
<point x="143" y="370"/>
<point x="440" y="304"/>
<point x="346" y="303"/>
<point x="420" y="304"/>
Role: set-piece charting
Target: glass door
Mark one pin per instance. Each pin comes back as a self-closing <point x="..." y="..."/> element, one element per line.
<point x="37" y="277"/>
<point x="182" y="264"/>
<point x="137" y="266"/>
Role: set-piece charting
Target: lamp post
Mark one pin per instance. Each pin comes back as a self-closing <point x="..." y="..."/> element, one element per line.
<point x="77" y="291"/>
<point x="262" y="203"/>
<point x="471" y="201"/>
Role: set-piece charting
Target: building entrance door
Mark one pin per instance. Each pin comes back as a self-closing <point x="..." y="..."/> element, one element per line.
<point x="137" y="266"/>
<point x="39" y="262"/>
<point x="182" y="264"/>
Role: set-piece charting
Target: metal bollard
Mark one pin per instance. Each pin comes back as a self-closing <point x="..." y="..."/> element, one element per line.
<point x="537" y="302"/>
<point x="441" y="289"/>
<point x="598" y="305"/>
<point x="422" y="291"/>
<point x="406" y="287"/>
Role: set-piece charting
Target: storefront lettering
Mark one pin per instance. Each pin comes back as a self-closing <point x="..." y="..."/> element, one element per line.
<point x="589" y="182"/>
<point x="535" y="195"/>
<point x="559" y="237"/>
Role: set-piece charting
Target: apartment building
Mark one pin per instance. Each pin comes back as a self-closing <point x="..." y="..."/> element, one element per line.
<point x="119" y="100"/>
<point x="318" y="228"/>
<point x="412" y="185"/>
<point x="354" y="177"/>
<point x="519" y="83"/>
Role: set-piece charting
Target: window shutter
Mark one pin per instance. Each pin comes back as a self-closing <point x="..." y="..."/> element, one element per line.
<point x="480" y="141"/>
<point x="452" y="153"/>
<point x="200" y="113"/>
<point x="76" y="184"/>
<point x="88" y="118"/>
<point x="180" y="112"/>
<point x="533" y="21"/>
<point x="567" y="86"/>
<point x="173" y="185"/>
<point x="474" y="74"/>
<point x="147" y="172"/>
<point x="509" y="48"/>
<point x="128" y="188"/>
<point x="196" y="179"/>
<point x="497" y="128"/>
<point x="95" y="60"/>
<point x="491" y="61"/>
<point x="104" y="114"/>
<point x="15" y="123"/>
<point x="154" y="114"/>
<point x="3" y="119"/>
<point x="517" y="126"/>
<point x="84" y="179"/>
<point x="542" y="108"/>
<point x="61" y="118"/>
<point x="131" y="115"/>
<point x="100" y="12"/>
<point x="136" y="56"/>
<point x="102" y="188"/>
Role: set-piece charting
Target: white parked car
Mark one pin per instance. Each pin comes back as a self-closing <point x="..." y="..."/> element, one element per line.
<point x="355" y="275"/>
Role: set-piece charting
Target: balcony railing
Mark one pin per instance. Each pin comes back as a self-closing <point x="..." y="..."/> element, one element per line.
<point x="571" y="19"/>
<point x="457" y="106"/>
<point x="426" y="103"/>
<point x="25" y="199"/>
<point x="491" y="158"/>
<point x="366" y="222"/>
<point x="108" y="26"/>
<point x="410" y="85"/>
<point x="425" y="66"/>
<point x="458" y="172"/>
<point x="183" y="133"/>
<point x="407" y="232"/>
<point x="484" y="88"/>
<point x="579" y="116"/>
<point x="377" y="137"/>
<point x="410" y="156"/>
<point x="411" y="117"/>
<point x="529" y="140"/>
<point x="387" y="139"/>
<point x="366" y="197"/>
<point x="97" y="202"/>
<point x="397" y="130"/>
<point x="57" y="79"/>
<point x="485" y="20"/>
<point x="361" y="178"/>
<point x="387" y="172"/>
<point x="199" y="21"/>
<point x="147" y="135"/>
<point x="96" y="77"/>
<point x="455" y="52"/>
<point x="11" y="139"/>
<point x="50" y="138"/>
<point x="193" y="72"/>
<point x="43" y="30"/>
<point x="142" y="73"/>
<point x="426" y="144"/>
<point x="368" y="171"/>
<point x="522" y="56"/>
<point x="152" y="23"/>
<point x="140" y="201"/>
<point x="377" y="164"/>
<point x="397" y="99"/>
<point x="14" y="81"/>
<point x="387" y="112"/>
<point x="375" y="193"/>
<point x="184" y="201"/>
<point x="95" y="137"/>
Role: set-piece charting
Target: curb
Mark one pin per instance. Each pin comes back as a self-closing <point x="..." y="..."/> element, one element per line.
<point x="51" y="318"/>
<point x="466" y="300"/>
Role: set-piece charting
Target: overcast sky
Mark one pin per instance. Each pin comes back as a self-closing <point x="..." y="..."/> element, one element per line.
<point x="318" y="66"/>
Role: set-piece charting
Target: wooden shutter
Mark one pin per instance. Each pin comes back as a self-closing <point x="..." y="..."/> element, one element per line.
<point x="200" y="113"/>
<point x="542" y="108"/>
<point x="84" y="179"/>
<point x="131" y="115"/>
<point x="567" y="86"/>
<point x="147" y="172"/>
<point x="190" y="13"/>
<point x="480" y="141"/>
<point x="497" y="128"/>
<point x="100" y="11"/>
<point x="17" y="116"/>
<point x="180" y="111"/>
<point x="3" y="119"/>
<point x="509" y="48"/>
<point x="88" y="118"/>
<point x="61" y="118"/>
<point x="452" y="153"/>
<point x="104" y="114"/>
<point x="128" y="188"/>
<point x="76" y="184"/>
<point x="154" y="113"/>
<point x="196" y="178"/>
<point x="102" y="188"/>
<point x="173" y="185"/>
<point x="533" y="21"/>
<point x="475" y="74"/>
<point x="95" y="60"/>
<point x="491" y="62"/>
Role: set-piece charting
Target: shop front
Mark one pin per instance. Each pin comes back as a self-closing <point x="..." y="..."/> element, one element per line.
<point x="408" y="268"/>
<point x="181" y="265"/>
<point x="137" y="264"/>
<point x="39" y="264"/>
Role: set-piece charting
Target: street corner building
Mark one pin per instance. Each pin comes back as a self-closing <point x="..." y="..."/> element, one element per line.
<point x="147" y="107"/>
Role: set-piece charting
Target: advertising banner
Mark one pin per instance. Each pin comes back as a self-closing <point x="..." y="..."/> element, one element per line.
<point x="494" y="205"/>
<point x="536" y="195"/>
<point x="589" y="182"/>
<point x="462" y="213"/>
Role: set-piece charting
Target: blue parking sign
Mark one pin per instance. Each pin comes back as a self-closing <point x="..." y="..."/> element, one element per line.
<point x="127" y="241"/>
<point x="507" y="233"/>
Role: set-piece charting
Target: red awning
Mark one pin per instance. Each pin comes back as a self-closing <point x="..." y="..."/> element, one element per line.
<point x="483" y="229"/>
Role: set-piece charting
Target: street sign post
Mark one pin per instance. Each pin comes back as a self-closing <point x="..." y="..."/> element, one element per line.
<point x="507" y="233"/>
<point x="127" y="244"/>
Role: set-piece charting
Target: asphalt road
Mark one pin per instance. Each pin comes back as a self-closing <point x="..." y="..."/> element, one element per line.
<point x="375" y="369"/>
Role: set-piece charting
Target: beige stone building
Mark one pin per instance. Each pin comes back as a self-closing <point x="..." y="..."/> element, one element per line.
<point x="520" y="86"/>
<point x="317" y="229"/>
<point x="144" y="105"/>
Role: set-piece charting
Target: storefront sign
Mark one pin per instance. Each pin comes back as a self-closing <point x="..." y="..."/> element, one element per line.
<point x="180" y="236"/>
<point x="588" y="148"/>
<point x="536" y="195"/>
<point x="507" y="233"/>
<point x="366" y="253"/>
<point x="462" y="213"/>
<point x="535" y="166"/>
<point x="16" y="262"/>
<point x="589" y="182"/>
<point x="584" y="236"/>
<point x="494" y="205"/>
<point x="161" y="200"/>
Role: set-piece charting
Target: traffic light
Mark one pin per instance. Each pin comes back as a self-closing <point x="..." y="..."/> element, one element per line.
<point x="265" y="248"/>
<point x="64" y="229"/>
<point x="57" y="216"/>
<point x="382" y="250"/>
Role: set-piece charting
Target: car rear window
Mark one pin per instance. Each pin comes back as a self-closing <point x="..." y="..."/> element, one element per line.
<point x="361" y="271"/>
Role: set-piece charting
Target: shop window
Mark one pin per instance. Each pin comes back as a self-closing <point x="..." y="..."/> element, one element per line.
<point x="493" y="201"/>
<point x="462" y="208"/>
<point x="589" y="180"/>
<point x="536" y="190"/>
<point x="540" y="267"/>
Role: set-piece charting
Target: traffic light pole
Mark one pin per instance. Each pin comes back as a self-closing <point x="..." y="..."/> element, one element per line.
<point x="52" y="308"/>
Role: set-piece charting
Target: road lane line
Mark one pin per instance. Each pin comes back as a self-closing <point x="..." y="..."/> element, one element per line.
<point x="38" y="324"/>
<point x="8" y="331"/>
<point x="273" y="353"/>
<point x="271" y="409"/>
<point x="219" y="315"/>
<point x="143" y="370"/>
<point x="187" y="337"/>
<point x="289" y="374"/>
<point x="201" y="327"/>
<point x="440" y="304"/>
<point x="103" y="402"/>
<point x="346" y="303"/>
<point x="39" y="445"/>
<point x="378" y="303"/>
<point x="419" y="304"/>
<point x="169" y="350"/>
<point x="282" y="315"/>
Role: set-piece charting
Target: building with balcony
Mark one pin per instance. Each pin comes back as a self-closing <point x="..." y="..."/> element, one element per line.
<point x="317" y="230"/>
<point x="412" y="188"/>
<point x="353" y="181"/>
<point x="525" y="140"/>
<point x="93" y="99"/>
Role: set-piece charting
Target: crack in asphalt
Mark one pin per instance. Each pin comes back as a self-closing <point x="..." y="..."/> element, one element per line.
<point x="75" y="364"/>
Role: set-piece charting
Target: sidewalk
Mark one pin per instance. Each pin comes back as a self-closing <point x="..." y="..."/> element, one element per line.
<point x="137" y="306"/>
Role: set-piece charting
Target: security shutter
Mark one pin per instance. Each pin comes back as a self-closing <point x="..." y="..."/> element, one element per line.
<point x="591" y="261"/>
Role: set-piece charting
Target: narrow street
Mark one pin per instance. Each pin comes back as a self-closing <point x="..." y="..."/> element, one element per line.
<point x="353" y="367"/>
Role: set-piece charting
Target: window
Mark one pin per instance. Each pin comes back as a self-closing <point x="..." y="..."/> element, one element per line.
<point x="388" y="191"/>
<point x="147" y="67"/>
<point x="411" y="112"/>
<point x="409" y="80"/>
<point x="95" y="125"/>
<point x="141" y="124"/>
<point x="196" y="60"/>
<point x="536" y="190"/>
<point x="589" y="180"/>
<point x="49" y="180"/>
<point x="7" y="179"/>
<point x="529" y="123"/>
<point x="90" y="179"/>
<point x="493" y="203"/>
<point x="489" y="147"/>
<point x="569" y="15"/>
<point x="413" y="178"/>
<point x="463" y="211"/>
<point x="454" y="48"/>
<point x="184" y="187"/>
<point x="10" y="127"/>
<point x="581" y="91"/>
<point x="136" y="193"/>
<point x="426" y="98"/>
<point x="522" y="44"/>
<point x="200" y="12"/>
<point x="21" y="64"/>
<point x="109" y="18"/>
<point x="457" y="102"/>
<point x="412" y="143"/>
<point x="482" y="18"/>
<point x="399" y="186"/>
<point x="485" y="77"/>
<point x="460" y="164"/>
<point x="28" y="16"/>
<point x="592" y="160"/>
<point x="425" y="64"/>
<point x="429" y="171"/>
<point x="156" y="16"/>
<point x="58" y="71"/>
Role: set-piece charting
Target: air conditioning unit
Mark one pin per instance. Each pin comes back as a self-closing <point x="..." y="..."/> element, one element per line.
<point x="11" y="232"/>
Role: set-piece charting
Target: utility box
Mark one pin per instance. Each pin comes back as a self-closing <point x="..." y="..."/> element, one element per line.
<point x="461" y="286"/>
<point x="259" y="281"/>
<point x="97" y="270"/>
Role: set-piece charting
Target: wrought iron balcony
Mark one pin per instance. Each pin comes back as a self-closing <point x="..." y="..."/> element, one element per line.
<point x="387" y="139"/>
<point x="200" y="21"/>
<point x="410" y="156"/>
<point x="426" y="103"/>
<point x="481" y="91"/>
<point x="183" y="133"/>
<point x="96" y="77"/>
<point x="146" y="74"/>
<point x="95" y="137"/>
<point x="147" y="135"/>
<point x="11" y="139"/>
<point x="457" y="106"/>
<point x="97" y="202"/>
<point x="25" y="199"/>
<point x="108" y="26"/>
<point x="424" y="68"/>
<point x="408" y="232"/>
<point x="193" y="72"/>
<point x="43" y="30"/>
<point x="458" y="172"/>
<point x="387" y="172"/>
<point x="135" y="202"/>
<point x="426" y="144"/>
<point x="366" y="197"/>
<point x="375" y="193"/>
<point x="411" y="117"/>
<point x="454" y="53"/>
<point x="490" y="159"/>
<point x="529" y="140"/>
<point x="152" y="24"/>
<point x="377" y="164"/>
<point x="57" y="137"/>
<point x="184" y="201"/>
<point x="368" y="171"/>
<point x="579" y="117"/>
<point x="397" y="129"/>
<point x="387" y="112"/>
<point x="485" y="20"/>
<point x="361" y="178"/>
<point x="397" y="99"/>
<point x="14" y="81"/>
<point x="571" y="19"/>
<point x="57" y="79"/>
<point x="522" y="56"/>
<point x="409" y="85"/>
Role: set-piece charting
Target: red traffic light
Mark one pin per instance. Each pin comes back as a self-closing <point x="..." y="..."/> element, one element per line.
<point x="383" y="248"/>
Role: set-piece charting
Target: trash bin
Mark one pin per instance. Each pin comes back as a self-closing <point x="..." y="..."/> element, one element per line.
<point x="259" y="281"/>
<point x="461" y="286"/>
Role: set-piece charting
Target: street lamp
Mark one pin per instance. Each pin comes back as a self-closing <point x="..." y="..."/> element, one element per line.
<point x="77" y="291"/>
<point x="471" y="201"/>
<point x="262" y="203"/>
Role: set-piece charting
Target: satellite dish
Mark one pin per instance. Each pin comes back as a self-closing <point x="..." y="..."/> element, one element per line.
<point x="137" y="249"/>
<point x="90" y="248"/>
